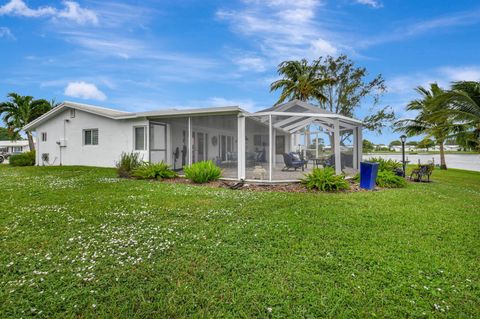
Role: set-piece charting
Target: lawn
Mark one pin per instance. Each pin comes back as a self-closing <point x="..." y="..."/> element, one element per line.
<point x="77" y="242"/>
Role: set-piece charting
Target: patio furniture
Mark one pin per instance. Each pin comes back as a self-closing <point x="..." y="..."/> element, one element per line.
<point x="422" y="171"/>
<point x="294" y="161"/>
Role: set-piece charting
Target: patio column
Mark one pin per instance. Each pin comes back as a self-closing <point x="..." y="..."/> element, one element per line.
<point x="336" y="143"/>
<point x="241" y="146"/>
<point x="359" y="146"/>
<point x="274" y="147"/>
<point x="355" y="148"/>
<point x="270" y="148"/>
<point x="189" y="139"/>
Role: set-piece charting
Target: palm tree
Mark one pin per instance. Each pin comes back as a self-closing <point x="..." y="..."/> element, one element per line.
<point x="300" y="81"/>
<point x="464" y="104"/>
<point x="431" y="119"/>
<point x="21" y="110"/>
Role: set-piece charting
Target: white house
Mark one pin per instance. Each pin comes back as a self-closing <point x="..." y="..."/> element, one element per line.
<point x="20" y="146"/>
<point x="245" y="145"/>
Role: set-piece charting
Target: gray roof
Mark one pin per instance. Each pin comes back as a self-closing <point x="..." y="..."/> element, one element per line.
<point x="285" y="106"/>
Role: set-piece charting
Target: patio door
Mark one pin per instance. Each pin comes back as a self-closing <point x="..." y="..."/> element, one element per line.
<point x="158" y="142"/>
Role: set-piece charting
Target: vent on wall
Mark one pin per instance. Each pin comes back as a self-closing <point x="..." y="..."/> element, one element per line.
<point x="72" y="113"/>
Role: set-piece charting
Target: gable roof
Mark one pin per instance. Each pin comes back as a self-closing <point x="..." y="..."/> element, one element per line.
<point x="121" y="115"/>
<point x="288" y="105"/>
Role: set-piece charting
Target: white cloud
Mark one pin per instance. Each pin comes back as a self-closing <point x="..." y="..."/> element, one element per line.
<point x="443" y="76"/>
<point x="72" y="11"/>
<point x="6" y="33"/>
<point x="284" y="29"/>
<point x="83" y="90"/>
<point x="19" y="8"/>
<point x="246" y="104"/>
<point x="372" y="3"/>
<point x="251" y="63"/>
<point x="466" y="73"/>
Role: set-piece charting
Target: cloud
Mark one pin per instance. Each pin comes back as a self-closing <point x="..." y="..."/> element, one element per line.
<point x="19" y="8"/>
<point x="283" y="30"/>
<point x="411" y="29"/>
<point x="83" y="90"/>
<point x="466" y="73"/>
<point x="372" y="3"/>
<point x="6" y="33"/>
<point x="250" y="63"/>
<point x="216" y="101"/>
<point x="75" y="13"/>
<point x="444" y="76"/>
<point x="72" y="12"/>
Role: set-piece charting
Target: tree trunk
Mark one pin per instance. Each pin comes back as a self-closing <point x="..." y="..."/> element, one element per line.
<point x="30" y="141"/>
<point x="443" y="164"/>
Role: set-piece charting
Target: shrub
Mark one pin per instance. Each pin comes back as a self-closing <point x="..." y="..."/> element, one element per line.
<point x="153" y="171"/>
<point x="324" y="179"/>
<point x="128" y="162"/>
<point x="24" y="159"/>
<point x="202" y="172"/>
<point x="389" y="179"/>
<point x="386" y="164"/>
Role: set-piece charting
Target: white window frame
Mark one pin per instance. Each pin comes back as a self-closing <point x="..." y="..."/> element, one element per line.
<point x="144" y="138"/>
<point x="91" y="138"/>
<point x="44" y="136"/>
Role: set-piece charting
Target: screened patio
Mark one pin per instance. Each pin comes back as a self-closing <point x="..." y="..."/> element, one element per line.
<point x="278" y="144"/>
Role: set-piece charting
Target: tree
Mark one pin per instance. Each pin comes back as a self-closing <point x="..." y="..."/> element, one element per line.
<point x="21" y="110"/>
<point x="431" y="119"/>
<point x="426" y="143"/>
<point x="412" y="143"/>
<point x="368" y="146"/>
<point x="395" y="143"/>
<point x="299" y="81"/>
<point x="464" y="104"/>
<point x="350" y="88"/>
<point x="4" y="134"/>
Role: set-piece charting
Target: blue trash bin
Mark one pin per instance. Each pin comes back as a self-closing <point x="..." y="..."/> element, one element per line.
<point x="368" y="174"/>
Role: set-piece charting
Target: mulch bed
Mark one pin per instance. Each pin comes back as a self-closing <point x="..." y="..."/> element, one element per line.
<point x="263" y="187"/>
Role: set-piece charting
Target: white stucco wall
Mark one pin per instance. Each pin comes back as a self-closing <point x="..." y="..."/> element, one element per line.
<point x="114" y="137"/>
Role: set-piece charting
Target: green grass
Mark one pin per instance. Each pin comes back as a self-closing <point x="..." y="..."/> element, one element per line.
<point x="79" y="243"/>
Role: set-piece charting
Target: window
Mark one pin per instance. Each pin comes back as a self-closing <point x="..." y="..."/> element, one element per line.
<point x="44" y="136"/>
<point x="17" y="149"/>
<point x="72" y="113"/>
<point x="140" y="138"/>
<point x="90" y="137"/>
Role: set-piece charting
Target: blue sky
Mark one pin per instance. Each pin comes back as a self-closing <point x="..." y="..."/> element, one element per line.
<point x="143" y="55"/>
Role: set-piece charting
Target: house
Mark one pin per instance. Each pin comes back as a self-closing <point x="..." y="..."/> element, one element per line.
<point x="19" y="146"/>
<point x="240" y="142"/>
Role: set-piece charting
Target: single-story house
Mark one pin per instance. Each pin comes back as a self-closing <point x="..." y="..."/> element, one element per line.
<point x="251" y="146"/>
<point x="19" y="146"/>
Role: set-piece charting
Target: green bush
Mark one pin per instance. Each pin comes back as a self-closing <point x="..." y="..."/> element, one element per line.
<point x="24" y="159"/>
<point x="128" y="162"/>
<point x="386" y="164"/>
<point x="388" y="179"/>
<point x="324" y="179"/>
<point x="202" y="172"/>
<point x="153" y="171"/>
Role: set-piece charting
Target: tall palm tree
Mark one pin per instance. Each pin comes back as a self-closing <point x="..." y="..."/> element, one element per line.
<point x="300" y="81"/>
<point x="431" y="118"/>
<point x="21" y="110"/>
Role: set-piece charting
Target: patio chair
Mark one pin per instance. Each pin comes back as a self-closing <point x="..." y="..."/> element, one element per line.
<point x="422" y="171"/>
<point x="292" y="162"/>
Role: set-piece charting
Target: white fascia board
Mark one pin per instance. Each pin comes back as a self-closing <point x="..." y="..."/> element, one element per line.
<point x="316" y="115"/>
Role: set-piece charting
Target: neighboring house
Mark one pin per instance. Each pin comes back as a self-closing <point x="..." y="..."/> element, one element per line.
<point x="241" y="143"/>
<point x="19" y="146"/>
<point x="408" y="148"/>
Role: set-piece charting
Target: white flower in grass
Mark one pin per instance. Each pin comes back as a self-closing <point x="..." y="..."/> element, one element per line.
<point x="269" y="309"/>
<point x="94" y="306"/>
